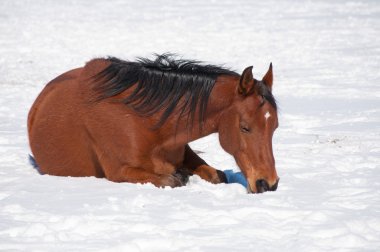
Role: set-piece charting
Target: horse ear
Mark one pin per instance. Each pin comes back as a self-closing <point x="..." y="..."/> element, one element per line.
<point x="246" y="81"/>
<point x="268" y="78"/>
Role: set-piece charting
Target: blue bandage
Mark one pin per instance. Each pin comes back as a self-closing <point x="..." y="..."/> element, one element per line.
<point x="235" y="177"/>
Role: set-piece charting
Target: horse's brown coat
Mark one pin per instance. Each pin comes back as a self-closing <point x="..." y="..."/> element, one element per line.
<point x="71" y="133"/>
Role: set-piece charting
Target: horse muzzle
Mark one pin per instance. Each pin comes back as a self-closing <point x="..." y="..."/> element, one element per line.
<point x="261" y="186"/>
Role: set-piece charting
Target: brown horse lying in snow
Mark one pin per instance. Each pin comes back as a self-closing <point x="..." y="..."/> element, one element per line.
<point x="132" y="122"/>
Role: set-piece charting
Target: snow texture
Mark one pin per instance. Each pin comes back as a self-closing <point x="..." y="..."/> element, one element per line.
<point x="326" y="58"/>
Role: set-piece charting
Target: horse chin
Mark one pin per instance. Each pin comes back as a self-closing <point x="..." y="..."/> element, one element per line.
<point x="249" y="190"/>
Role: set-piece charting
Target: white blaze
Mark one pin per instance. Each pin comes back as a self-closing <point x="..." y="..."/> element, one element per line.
<point x="267" y="115"/>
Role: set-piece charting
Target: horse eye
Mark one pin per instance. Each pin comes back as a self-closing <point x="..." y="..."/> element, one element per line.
<point x="245" y="129"/>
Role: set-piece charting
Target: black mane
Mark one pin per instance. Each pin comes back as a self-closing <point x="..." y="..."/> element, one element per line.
<point x="161" y="84"/>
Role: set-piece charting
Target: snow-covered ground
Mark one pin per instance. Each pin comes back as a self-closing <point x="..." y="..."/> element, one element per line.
<point x="326" y="57"/>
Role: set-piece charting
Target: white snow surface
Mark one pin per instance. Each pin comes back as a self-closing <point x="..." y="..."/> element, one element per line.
<point x="326" y="58"/>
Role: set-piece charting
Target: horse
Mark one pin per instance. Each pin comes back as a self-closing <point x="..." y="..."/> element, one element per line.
<point x="131" y="121"/>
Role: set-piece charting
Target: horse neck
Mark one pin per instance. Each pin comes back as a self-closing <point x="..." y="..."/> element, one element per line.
<point x="220" y="100"/>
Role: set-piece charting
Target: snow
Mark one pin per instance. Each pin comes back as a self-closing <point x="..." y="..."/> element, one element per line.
<point x="326" y="58"/>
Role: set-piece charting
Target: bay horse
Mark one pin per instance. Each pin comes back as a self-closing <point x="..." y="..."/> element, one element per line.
<point x="131" y="121"/>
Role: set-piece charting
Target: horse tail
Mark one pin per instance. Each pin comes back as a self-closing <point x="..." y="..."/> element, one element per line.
<point x="33" y="163"/>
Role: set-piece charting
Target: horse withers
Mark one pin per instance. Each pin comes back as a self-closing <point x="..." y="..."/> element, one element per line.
<point x="132" y="122"/>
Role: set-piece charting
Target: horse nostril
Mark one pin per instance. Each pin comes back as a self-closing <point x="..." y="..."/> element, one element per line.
<point x="262" y="186"/>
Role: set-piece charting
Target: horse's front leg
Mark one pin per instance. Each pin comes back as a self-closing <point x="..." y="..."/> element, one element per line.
<point x="198" y="166"/>
<point x="142" y="176"/>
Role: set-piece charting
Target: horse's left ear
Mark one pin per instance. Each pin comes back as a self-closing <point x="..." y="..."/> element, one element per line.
<point x="246" y="82"/>
<point x="268" y="78"/>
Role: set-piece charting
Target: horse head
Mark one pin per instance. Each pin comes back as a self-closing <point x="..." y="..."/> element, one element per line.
<point x="246" y="129"/>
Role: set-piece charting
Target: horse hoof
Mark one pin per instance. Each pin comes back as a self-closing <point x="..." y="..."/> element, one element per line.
<point x="182" y="176"/>
<point x="222" y="177"/>
<point x="172" y="181"/>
